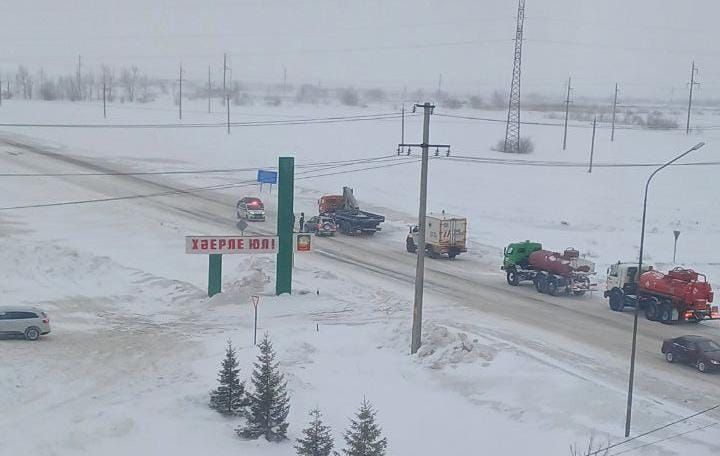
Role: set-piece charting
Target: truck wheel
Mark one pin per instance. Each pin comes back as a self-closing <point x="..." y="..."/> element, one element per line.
<point x="617" y="300"/>
<point x="512" y="277"/>
<point x="665" y="315"/>
<point x="552" y="286"/>
<point x="579" y="292"/>
<point x="651" y="310"/>
<point x="540" y="283"/>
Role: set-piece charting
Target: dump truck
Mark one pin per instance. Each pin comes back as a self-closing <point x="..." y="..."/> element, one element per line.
<point x="680" y="295"/>
<point x="346" y="213"/>
<point x="551" y="272"/>
<point x="445" y="235"/>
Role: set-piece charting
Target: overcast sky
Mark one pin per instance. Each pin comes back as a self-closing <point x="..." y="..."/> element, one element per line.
<point x="645" y="45"/>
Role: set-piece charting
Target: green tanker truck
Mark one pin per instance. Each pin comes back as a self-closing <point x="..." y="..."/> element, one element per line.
<point x="553" y="273"/>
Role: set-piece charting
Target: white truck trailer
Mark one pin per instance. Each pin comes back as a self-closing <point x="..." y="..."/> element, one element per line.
<point x="445" y="234"/>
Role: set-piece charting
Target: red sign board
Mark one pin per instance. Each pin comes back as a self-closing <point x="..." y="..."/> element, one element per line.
<point x="229" y="245"/>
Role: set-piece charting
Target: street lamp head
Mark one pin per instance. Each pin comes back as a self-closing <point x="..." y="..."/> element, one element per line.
<point x="698" y="146"/>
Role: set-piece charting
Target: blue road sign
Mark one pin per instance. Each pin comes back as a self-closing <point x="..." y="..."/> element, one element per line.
<point x="267" y="177"/>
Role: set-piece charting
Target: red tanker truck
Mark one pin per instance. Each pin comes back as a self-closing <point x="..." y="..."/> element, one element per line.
<point x="551" y="272"/>
<point x="679" y="295"/>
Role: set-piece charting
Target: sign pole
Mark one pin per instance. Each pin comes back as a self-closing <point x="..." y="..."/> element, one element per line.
<point x="255" y="302"/>
<point x="214" y="275"/>
<point x="283" y="281"/>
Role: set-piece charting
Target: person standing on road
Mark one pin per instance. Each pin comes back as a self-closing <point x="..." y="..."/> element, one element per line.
<point x="302" y="222"/>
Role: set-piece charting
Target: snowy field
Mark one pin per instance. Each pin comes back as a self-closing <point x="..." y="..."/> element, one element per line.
<point x="136" y="344"/>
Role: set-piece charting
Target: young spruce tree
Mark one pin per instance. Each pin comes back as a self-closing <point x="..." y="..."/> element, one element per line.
<point x="229" y="398"/>
<point x="364" y="437"/>
<point x="269" y="403"/>
<point x="317" y="438"/>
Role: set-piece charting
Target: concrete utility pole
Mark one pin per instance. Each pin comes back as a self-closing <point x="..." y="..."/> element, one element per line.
<point x="79" y="77"/>
<point x="209" y="89"/>
<point x="0" y="90"/>
<point x="693" y="72"/>
<point x="180" y="96"/>
<point x="104" y="106"/>
<point x="612" y="132"/>
<point x="224" y="77"/>
<point x="284" y="88"/>
<point x="228" y="113"/>
<point x="592" y="144"/>
<point x="416" y="339"/>
<point x="567" y="112"/>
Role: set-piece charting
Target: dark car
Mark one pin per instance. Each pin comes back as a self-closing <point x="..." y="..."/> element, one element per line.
<point x="251" y="208"/>
<point x="322" y="226"/>
<point x="699" y="351"/>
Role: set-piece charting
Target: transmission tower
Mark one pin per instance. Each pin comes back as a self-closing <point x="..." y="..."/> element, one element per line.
<point x="512" y="129"/>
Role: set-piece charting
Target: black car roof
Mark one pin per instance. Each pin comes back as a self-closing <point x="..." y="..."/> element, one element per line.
<point x="692" y="338"/>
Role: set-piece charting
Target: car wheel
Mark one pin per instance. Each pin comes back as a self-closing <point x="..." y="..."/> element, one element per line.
<point x="701" y="366"/>
<point x="669" y="357"/>
<point x="32" y="334"/>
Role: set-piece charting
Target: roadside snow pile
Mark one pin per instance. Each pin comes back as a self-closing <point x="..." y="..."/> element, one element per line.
<point x="444" y="347"/>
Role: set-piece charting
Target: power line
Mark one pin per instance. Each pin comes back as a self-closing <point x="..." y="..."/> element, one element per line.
<point x="257" y="123"/>
<point x="246" y="183"/>
<point x="652" y="431"/>
<point x="565" y="164"/>
<point x="630" y="450"/>
<point x="198" y="171"/>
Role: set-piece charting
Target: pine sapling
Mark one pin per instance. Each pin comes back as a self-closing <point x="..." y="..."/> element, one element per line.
<point x="364" y="437"/>
<point x="230" y="397"/>
<point x="269" y="403"/>
<point x="317" y="438"/>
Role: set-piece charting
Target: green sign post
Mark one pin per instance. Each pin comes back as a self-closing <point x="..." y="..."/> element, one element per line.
<point x="285" y="225"/>
<point x="215" y="275"/>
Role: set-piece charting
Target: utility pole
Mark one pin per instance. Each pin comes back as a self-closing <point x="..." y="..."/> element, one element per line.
<point x="440" y="84"/>
<point x="79" y="77"/>
<point x="209" y="89"/>
<point x="180" y="93"/>
<point x="567" y="112"/>
<point x="402" y="128"/>
<point x="592" y="144"/>
<point x="612" y="133"/>
<point x="228" y="113"/>
<point x="284" y="87"/>
<point x="224" y="77"/>
<point x="104" y="106"/>
<point x="693" y="71"/>
<point x="512" y="128"/>
<point x="0" y="90"/>
<point x="416" y="338"/>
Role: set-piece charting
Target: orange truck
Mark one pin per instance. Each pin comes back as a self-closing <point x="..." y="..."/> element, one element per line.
<point x="346" y="213"/>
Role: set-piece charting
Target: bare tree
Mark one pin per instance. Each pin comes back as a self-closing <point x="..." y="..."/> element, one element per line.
<point x="128" y="79"/>
<point x="592" y="449"/>
<point x="24" y="82"/>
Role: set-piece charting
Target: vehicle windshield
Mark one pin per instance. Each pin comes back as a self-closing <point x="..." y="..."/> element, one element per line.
<point x="708" y="346"/>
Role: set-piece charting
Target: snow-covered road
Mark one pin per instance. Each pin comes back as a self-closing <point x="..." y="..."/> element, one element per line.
<point x="580" y="336"/>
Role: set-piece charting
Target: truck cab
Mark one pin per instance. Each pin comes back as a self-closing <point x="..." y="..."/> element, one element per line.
<point x="517" y="254"/>
<point x="623" y="276"/>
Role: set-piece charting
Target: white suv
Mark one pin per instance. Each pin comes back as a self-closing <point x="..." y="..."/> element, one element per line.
<point x="24" y="321"/>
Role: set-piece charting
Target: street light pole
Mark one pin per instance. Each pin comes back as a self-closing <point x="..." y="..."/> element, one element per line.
<point x="631" y="381"/>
